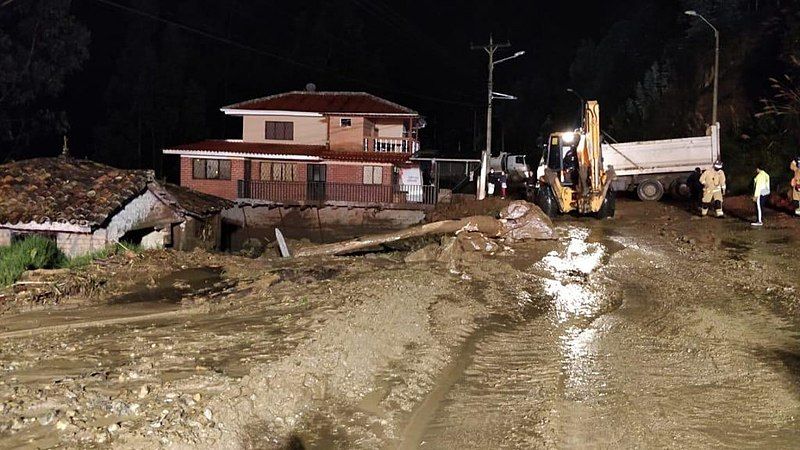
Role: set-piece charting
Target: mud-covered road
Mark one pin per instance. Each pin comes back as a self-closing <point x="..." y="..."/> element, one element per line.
<point x="653" y="329"/>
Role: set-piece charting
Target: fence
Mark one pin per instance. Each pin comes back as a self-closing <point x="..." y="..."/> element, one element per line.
<point x="322" y="192"/>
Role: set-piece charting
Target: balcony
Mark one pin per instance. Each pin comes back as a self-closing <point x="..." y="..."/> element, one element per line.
<point x="299" y="193"/>
<point x="391" y="145"/>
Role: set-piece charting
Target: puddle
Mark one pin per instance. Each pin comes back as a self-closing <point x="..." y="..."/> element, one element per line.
<point x="175" y="286"/>
<point x="737" y="250"/>
<point x="552" y="344"/>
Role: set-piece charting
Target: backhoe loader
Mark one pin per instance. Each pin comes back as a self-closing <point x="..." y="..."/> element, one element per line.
<point x="571" y="177"/>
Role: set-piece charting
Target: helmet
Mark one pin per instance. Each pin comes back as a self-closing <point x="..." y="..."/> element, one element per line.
<point x="717" y="164"/>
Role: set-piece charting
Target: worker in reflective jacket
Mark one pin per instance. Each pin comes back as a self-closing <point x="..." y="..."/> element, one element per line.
<point x="795" y="167"/>
<point x="760" y="193"/>
<point x="713" y="182"/>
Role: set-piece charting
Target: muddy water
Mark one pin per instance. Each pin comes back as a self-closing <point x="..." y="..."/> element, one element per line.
<point x="620" y="357"/>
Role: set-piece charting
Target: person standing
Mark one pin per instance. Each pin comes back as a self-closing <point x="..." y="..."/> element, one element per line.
<point x="490" y="182"/>
<point x="795" y="167"/>
<point x="714" y="187"/>
<point x="695" y="188"/>
<point x="760" y="193"/>
<point x="503" y="179"/>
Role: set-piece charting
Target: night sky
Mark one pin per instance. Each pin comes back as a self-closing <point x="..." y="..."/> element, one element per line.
<point x="158" y="72"/>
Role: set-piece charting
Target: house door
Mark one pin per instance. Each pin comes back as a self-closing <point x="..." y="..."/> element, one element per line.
<point x="316" y="182"/>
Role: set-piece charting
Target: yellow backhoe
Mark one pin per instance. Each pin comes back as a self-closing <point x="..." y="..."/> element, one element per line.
<point x="571" y="177"/>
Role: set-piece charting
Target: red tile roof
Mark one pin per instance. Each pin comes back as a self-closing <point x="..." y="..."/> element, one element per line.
<point x="320" y="151"/>
<point x="65" y="190"/>
<point x="354" y="103"/>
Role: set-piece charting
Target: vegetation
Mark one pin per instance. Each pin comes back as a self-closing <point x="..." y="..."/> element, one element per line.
<point x="37" y="252"/>
<point x="33" y="252"/>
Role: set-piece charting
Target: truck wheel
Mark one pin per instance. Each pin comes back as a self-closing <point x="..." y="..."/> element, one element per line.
<point x="679" y="189"/>
<point x="609" y="206"/>
<point x="546" y="200"/>
<point x="650" y="191"/>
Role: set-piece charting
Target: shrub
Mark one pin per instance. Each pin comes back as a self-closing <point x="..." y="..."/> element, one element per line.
<point x="33" y="252"/>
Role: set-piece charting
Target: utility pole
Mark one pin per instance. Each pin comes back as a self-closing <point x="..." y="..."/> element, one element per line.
<point x="490" y="48"/>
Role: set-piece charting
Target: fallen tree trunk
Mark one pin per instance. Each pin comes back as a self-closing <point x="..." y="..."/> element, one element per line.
<point x="482" y="224"/>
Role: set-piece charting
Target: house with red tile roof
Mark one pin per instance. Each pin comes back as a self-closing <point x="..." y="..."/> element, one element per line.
<point x="84" y="206"/>
<point x="315" y="148"/>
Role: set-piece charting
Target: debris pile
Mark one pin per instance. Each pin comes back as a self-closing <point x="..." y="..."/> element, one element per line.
<point x="519" y="221"/>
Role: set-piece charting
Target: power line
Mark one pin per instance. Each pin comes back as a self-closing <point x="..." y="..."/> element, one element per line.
<point x="277" y="56"/>
<point x="394" y="19"/>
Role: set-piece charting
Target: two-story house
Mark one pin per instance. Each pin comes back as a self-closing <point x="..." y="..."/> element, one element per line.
<point x="308" y="147"/>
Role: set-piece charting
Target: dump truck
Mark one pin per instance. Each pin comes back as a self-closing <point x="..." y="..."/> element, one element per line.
<point x="572" y="177"/>
<point x="653" y="168"/>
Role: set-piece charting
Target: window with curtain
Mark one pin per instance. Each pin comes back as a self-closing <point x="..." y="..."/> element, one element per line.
<point x="271" y="171"/>
<point x="373" y="175"/>
<point x="279" y="131"/>
<point x="211" y="169"/>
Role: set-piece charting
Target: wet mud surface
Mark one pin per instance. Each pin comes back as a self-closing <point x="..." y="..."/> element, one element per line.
<point x="654" y="329"/>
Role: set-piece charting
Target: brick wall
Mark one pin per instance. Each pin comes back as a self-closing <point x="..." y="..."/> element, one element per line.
<point x="220" y="188"/>
<point x="77" y="244"/>
<point x="346" y="183"/>
<point x="354" y="173"/>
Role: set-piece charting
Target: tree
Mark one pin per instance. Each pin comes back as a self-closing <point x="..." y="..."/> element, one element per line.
<point x="40" y="45"/>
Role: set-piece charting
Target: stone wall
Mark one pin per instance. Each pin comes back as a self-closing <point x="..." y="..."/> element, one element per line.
<point x="326" y="223"/>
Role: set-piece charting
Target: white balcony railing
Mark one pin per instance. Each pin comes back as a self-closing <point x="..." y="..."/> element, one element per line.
<point x="391" y="145"/>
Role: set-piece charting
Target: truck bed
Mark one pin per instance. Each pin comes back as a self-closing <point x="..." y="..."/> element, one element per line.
<point x="662" y="156"/>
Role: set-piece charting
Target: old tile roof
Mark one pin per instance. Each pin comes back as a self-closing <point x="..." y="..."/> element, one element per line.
<point x="65" y="190"/>
<point x="277" y="150"/>
<point x="193" y="202"/>
<point x="348" y="103"/>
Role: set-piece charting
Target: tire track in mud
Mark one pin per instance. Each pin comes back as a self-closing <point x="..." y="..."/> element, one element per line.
<point x="505" y="370"/>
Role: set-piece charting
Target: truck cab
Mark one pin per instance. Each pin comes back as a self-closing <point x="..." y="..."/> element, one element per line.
<point x="560" y="156"/>
<point x="515" y="166"/>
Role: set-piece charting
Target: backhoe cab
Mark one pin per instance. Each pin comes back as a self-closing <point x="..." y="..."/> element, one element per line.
<point x="571" y="176"/>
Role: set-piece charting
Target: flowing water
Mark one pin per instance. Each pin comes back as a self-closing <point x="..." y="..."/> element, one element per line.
<point x="611" y="362"/>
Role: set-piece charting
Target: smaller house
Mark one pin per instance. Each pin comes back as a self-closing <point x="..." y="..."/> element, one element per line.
<point x="84" y="206"/>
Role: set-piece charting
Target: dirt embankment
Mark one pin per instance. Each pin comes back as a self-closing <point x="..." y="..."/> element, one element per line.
<point x="204" y="349"/>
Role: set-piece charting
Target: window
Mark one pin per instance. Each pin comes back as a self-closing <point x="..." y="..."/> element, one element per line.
<point x="211" y="169"/>
<point x="373" y="175"/>
<point x="278" y="171"/>
<point x="345" y="123"/>
<point x="279" y="131"/>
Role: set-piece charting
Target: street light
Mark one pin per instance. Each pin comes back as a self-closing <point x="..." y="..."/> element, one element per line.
<point x="490" y="49"/>
<point x="716" y="62"/>
<point x="515" y="55"/>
